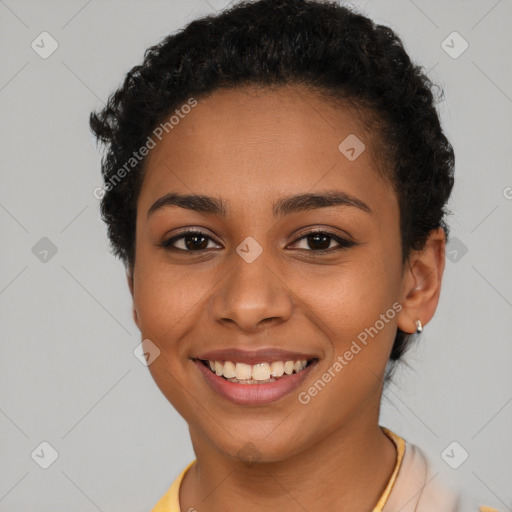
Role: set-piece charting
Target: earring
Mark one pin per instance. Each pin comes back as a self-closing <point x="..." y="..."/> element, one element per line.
<point x="419" y="326"/>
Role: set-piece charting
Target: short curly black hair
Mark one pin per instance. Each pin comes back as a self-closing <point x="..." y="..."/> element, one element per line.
<point x="324" y="46"/>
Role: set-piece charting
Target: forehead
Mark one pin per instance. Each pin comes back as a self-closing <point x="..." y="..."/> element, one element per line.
<point x="262" y="143"/>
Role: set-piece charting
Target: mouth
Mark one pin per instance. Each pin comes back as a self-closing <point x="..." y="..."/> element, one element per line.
<point x="254" y="378"/>
<point x="259" y="373"/>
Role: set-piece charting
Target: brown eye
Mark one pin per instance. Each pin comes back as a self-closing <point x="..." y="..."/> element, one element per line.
<point x="318" y="241"/>
<point x="191" y="241"/>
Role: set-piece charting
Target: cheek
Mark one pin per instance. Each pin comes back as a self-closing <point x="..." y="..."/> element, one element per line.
<point x="167" y="301"/>
<point x="355" y="311"/>
<point x="352" y="297"/>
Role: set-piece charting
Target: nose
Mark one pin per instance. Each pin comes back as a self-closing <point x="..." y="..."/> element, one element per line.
<point x="252" y="295"/>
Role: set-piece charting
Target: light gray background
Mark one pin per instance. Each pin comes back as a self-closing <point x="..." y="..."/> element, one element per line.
<point x="68" y="373"/>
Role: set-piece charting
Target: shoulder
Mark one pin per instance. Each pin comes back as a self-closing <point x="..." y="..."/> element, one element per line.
<point x="418" y="489"/>
<point x="170" y="502"/>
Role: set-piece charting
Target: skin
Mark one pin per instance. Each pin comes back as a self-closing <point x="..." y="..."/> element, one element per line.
<point x="251" y="147"/>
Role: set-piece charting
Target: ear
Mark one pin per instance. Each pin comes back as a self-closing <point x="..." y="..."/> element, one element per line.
<point x="421" y="282"/>
<point x="129" y="278"/>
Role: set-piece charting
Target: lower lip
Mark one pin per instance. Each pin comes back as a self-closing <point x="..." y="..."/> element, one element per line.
<point x="254" y="394"/>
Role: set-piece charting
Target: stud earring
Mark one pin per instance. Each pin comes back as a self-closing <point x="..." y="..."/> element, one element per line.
<point x="419" y="326"/>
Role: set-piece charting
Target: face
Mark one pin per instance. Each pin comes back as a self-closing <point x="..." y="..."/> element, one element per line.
<point x="252" y="278"/>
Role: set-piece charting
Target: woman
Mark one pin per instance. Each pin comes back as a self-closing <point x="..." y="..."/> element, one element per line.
<point x="275" y="183"/>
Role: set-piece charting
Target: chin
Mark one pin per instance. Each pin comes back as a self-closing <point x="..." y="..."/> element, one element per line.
<point x="260" y="447"/>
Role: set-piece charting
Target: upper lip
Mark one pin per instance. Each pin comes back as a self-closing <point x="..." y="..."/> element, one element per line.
<point x="265" y="355"/>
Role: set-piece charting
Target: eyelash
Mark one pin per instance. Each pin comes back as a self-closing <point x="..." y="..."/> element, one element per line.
<point x="343" y="243"/>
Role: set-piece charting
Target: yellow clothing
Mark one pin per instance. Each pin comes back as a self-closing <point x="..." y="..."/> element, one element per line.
<point x="409" y="489"/>
<point x="170" y="501"/>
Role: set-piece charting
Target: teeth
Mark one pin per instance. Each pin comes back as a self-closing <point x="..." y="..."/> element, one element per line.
<point x="276" y="368"/>
<point x="288" y="367"/>
<point x="261" y="371"/>
<point x="229" y="370"/>
<point x="243" y="371"/>
<point x="256" y="373"/>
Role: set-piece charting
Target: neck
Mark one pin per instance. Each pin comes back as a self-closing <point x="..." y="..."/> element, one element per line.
<point x="349" y="468"/>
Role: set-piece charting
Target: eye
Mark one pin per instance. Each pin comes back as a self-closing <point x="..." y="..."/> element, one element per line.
<point x="314" y="241"/>
<point x="189" y="241"/>
<point x="320" y="241"/>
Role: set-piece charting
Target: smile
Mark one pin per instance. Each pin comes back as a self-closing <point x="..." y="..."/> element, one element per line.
<point x="260" y="373"/>
<point x="257" y="378"/>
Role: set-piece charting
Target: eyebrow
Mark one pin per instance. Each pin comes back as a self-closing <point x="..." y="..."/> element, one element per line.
<point x="282" y="207"/>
